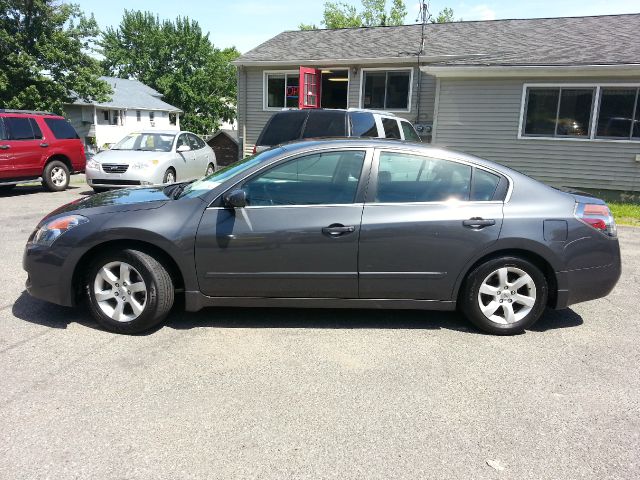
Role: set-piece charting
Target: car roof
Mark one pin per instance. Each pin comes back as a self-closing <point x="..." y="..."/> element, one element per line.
<point x="29" y="113"/>
<point x="345" y="110"/>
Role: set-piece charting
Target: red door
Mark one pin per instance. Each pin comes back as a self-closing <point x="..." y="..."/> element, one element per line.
<point x="310" y="86"/>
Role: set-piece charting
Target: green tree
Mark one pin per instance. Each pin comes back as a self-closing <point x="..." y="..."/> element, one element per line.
<point x="179" y="61"/>
<point x="445" y="16"/>
<point x="374" y="13"/>
<point x="45" y="58"/>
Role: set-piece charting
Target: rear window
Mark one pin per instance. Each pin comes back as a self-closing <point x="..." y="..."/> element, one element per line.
<point x="323" y="123"/>
<point x="391" y="129"/>
<point x="283" y="127"/>
<point x="409" y="132"/>
<point x="60" y="128"/>
<point x="19" y="128"/>
<point x="363" y="124"/>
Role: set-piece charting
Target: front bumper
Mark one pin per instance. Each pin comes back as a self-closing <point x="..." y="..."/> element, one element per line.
<point x="49" y="276"/>
<point x="96" y="177"/>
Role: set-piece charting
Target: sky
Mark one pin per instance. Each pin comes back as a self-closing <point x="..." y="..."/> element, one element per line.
<point x="247" y="23"/>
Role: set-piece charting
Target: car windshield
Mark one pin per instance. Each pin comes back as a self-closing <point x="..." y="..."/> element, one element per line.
<point x="149" y="142"/>
<point x="222" y="175"/>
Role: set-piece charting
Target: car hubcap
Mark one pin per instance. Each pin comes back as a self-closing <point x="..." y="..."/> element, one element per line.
<point x="120" y="291"/>
<point x="58" y="176"/>
<point x="209" y="170"/>
<point x="170" y="177"/>
<point x="507" y="295"/>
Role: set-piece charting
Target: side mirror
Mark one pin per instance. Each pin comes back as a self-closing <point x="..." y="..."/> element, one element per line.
<point x="183" y="148"/>
<point x="236" y="199"/>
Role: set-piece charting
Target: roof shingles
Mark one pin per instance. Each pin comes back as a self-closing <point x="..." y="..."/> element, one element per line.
<point x="134" y="95"/>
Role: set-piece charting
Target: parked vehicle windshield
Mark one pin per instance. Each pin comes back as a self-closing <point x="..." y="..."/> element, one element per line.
<point x="148" y="142"/>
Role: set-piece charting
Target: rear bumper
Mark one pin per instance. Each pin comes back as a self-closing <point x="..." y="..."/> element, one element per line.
<point x="586" y="284"/>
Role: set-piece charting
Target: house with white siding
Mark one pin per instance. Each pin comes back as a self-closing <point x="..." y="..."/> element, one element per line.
<point x="133" y="106"/>
<point x="556" y="98"/>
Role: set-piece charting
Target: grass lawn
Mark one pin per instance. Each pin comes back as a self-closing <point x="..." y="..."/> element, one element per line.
<point x="626" y="213"/>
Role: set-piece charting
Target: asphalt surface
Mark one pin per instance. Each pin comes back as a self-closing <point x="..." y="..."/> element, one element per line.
<point x="313" y="394"/>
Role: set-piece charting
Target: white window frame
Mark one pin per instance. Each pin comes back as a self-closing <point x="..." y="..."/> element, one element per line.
<point x="595" y="111"/>
<point x="265" y="88"/>
<point x="387" y="69"/>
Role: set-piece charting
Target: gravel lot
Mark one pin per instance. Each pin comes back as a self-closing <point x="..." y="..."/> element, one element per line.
<point x="235" y="393"/>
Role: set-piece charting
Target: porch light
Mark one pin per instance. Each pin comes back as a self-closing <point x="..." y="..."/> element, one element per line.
<point x="344" y="79"/>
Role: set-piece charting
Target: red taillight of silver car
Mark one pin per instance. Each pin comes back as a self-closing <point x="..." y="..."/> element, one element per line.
<point x="597" y="216"/>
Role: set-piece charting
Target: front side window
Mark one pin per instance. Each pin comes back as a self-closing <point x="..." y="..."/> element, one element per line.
<point x="559" y="112"/>
<point x="406" y="178"/>
<point x="282" y="90"/>
<point x="61" y="129"/>
<point x="318" y="179"/>
<point x="195" y="142"/>
<point x="388" y="90"/>
<point x="3" y="134"/>
<point x="19" y="128"/>
<point x="619" y="116"/>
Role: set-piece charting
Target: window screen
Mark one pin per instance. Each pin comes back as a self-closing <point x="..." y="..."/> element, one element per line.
<point x="413" y="178"/>
<point x="19" y="128"/>
<point x="60" y="128"/>
<point x="325" y="123"/>
<point x="391" y="129"/>
<point x="283" y="127"/>
<point x="363" y="124"/>
<point x="323" y="178"/>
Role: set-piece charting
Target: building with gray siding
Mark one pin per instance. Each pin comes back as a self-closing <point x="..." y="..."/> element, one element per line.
<point x="556" y="98"/>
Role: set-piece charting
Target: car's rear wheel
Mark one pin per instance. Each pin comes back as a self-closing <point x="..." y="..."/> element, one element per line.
<point x="169" y="176"/>
<point x="210" y="170"/>
<point x="129" y="291"/>
<point x="505" y="295"/>
<point x="55" y="177"/>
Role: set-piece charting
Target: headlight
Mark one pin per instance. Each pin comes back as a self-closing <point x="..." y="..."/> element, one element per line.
<point x="143" y="165"/>
<point x="50" y="231"/>
<point x="93" y="164"/>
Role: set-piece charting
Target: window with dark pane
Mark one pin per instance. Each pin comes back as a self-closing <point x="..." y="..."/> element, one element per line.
<point x="397" y="90"/>
<point x="276" y="91"/>
<point x="636" y="121"/>
<point x="542" y="109"/>
<point x="19" y="128"/>
<point x="374" y="89"/>
<point x="484" y="185"/>
<point x="325" y="123"/>
<point x="574" y="114"/>
<point x="615" y="118"/>
<point x="391" y="129"/>
<point x="363" y="124"/>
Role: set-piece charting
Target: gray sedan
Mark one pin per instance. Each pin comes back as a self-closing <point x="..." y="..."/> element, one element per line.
<point x="340" y="223"/>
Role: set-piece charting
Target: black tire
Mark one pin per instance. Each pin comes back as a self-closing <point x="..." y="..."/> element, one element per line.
<point x="59" y="169"/>
<point x="159" y="291"/>
<point x="470" y="302"/>
<point x="169" y="171"/>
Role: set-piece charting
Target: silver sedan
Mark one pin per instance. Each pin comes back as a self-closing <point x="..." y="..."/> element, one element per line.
<point x="151" y="158"/>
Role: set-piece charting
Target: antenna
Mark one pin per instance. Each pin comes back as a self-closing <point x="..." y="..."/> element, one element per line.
<point x="424" y="16"/>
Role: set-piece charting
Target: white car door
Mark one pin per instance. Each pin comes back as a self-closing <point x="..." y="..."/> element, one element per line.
<point x="201" y="159"/>
<point x="184" y="159"/>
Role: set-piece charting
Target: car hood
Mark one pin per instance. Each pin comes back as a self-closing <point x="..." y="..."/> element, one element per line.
<point x="115" y="201"/>
<point x="128" y="156"/>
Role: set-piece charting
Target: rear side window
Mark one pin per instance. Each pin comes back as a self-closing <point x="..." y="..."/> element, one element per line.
<point x="363" y="124"/>
<point x="60" y="128"/>
<point x="484" y="185"/>
<point x="19" y="128"/>
<point x="283" y="127"/>
<point x="413" y="178"/>
<point x="323" y="123"/>
<point x="391" y="129"/>
<point x="409" y="132"/>
<point x="37" y="133"/>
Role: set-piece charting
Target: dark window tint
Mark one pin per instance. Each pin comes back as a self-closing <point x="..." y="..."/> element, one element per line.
<point x="413" y="178"/>
<point x="3" y="135"/>
<point x="391" y="129"/>
<point x="542" y="109"/>
<point x="37" y="133"/>
<point x="323" y="123"/>
<point x="575" y="112"/>
<point x="363" y="124"/>
<point x="323" y="178"/>
<point x="409" y="132"/>
<point x="617" y="106"/>
<point x="397" y="90"/>
<point x="484" y="185"/>
<point x="60" y="128"/>
<point x="19" y="128"/>
<point x="196" y="142"/>
<point x="283" y="127"/>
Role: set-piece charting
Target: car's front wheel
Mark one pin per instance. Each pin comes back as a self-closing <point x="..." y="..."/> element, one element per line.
<point x="504" y="295"/>
<point x="210" y="170"/>
<point x="55" y="177"/>
<point x="169" y="176"/>
<point x="129" y="291"/>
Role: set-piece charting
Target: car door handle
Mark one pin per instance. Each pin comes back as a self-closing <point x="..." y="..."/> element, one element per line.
<point x="337" y="229"/>
<point x="477" y="222"/>
<point x="44" y="145"/>
<point x="5" y="147"/>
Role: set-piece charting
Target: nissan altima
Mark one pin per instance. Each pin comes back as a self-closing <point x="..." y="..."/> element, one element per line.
<point x="334" y="223"/>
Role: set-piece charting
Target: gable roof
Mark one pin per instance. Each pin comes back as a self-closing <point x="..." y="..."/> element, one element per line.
<point x="596" y="40"/>
<point x="132" y="94"/>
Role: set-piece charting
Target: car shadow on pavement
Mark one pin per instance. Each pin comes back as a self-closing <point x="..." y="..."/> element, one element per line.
<point x="38" y="312"/>
<point x="23" y="190"/>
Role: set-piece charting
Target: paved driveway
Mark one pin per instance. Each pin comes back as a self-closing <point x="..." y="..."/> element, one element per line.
<point x="313" y="393"/>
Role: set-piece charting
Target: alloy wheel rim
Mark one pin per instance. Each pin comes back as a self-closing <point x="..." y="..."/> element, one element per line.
<point x="170" y="177"/>
<point x="58" y="176"/>
<point x="507" y="295"/>
<point x="120" y="291"/>
<point x="209" y="170"/>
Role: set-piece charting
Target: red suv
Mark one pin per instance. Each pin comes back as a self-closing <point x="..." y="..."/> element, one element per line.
<point x="38" y="146"/>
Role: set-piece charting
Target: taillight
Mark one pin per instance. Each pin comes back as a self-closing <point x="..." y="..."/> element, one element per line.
<point x="255" y="150"/>
<point x="597" y="216"/>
